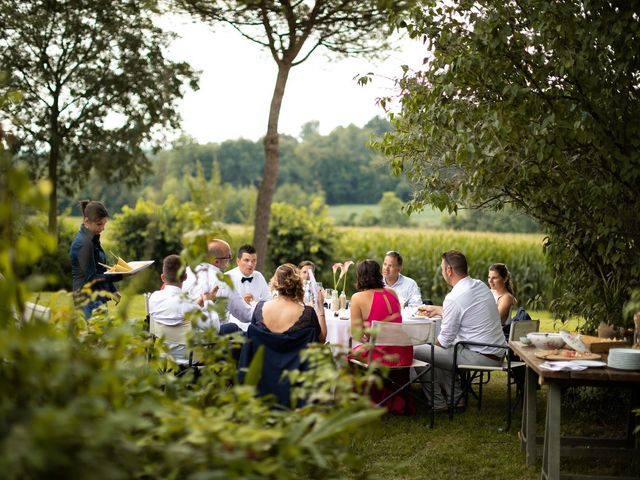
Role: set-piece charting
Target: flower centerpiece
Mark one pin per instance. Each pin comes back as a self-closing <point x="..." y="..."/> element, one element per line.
<point x="341" y="301"/>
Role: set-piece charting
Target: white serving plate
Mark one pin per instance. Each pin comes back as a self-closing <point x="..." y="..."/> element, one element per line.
<point x="136" y="266"/>
<point x="590" y="363"/>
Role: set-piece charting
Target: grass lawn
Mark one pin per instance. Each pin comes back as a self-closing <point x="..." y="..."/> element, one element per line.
<point x="471" y="446"/>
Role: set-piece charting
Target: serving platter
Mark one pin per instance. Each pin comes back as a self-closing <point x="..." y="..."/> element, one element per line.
<point x="136" y="266"/>
<point x="565" y="355"/>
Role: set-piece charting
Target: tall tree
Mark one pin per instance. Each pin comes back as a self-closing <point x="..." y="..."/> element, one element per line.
<point x="97" y="88"/>
<point x="535" y="104"/>
<point x="292" y="31"/>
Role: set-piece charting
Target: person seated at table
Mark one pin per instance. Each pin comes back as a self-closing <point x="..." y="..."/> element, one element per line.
<point x="406" y="288"/>
<point x="469" y="313"/>
<point x="499" y="280"/>
<point x="284" y="325"/>
<point x="374" y="301"/>
<point x="308" y="268"/>
<point x="170" y="310"/>
<point x="247" y="281"/>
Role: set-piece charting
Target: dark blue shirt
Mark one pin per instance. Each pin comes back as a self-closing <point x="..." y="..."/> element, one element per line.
<point x="86" y="255"/>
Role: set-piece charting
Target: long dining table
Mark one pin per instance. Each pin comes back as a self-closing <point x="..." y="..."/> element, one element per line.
<point x="554" y="445"/>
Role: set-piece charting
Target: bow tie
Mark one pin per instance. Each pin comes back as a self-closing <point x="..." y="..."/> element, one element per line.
<point x="246" y="279"/>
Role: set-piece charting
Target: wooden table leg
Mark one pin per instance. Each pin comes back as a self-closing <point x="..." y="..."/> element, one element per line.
<point x="529" y="412"/>
<point x="551" y="451"/>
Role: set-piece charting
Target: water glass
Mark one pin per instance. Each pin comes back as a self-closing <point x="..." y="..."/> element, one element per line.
<point x="328" y="294"/>
<point x="415" y="301"/>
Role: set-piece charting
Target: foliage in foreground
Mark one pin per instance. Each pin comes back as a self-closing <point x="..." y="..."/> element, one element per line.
<point x="534" y="104"/>
<point x="80" y="400"/>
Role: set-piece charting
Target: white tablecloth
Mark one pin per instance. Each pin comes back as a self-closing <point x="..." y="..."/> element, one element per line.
<point x="339" y="327"/>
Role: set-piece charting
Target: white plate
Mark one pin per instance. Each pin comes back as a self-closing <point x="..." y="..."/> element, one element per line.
<point x="135" y="267"/>
<point x="590" y="363"/>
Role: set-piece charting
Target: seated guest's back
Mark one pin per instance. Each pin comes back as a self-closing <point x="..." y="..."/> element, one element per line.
<point x="375" y="302"/>
<point x="170" y="310"/>
<point x="283" y="326"/>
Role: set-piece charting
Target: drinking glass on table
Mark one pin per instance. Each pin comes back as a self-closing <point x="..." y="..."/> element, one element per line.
<point x="415" y="301"/>
<point x="328" y="293"/>
<point x="402" y="301"/>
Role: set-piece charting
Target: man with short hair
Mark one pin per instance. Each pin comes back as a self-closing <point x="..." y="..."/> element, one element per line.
<point x="405" y="287"/>
<point x="170" y="310"/>
<point x="205" y="277"/>
<point x="247" y="281"/>
<point x="469" y="313"/>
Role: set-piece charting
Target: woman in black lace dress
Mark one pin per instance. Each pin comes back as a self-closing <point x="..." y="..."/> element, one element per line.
<point x="287" y="312"/>
<point x="282" y="327"/>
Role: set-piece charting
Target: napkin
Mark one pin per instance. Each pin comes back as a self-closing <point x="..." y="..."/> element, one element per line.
<point x="562" y="366"/>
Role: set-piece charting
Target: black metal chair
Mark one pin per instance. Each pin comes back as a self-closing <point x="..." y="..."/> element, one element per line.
<point x="403" y="334"/>
<point x="474" y="377"/>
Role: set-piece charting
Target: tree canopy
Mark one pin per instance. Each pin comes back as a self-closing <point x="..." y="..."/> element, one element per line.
<point x="534" y="104"/>
<point x="291" y="32"/>
<point x="97" y="88"/>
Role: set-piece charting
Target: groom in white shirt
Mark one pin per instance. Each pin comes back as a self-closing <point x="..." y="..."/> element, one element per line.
<point x="247" y="281"/>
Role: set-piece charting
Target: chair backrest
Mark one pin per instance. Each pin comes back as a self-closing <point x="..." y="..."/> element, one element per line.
<point x="403" y="334"/>
<point x="147" y="317"/>
<point x="522" y="327"/>
<point x="281" y="352"/>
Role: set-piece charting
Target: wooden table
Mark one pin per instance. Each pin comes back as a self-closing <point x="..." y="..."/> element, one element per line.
<point x="554" y="445"/>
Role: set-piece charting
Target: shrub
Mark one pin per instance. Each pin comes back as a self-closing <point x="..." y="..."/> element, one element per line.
<point x="53" y="269"/>
<point x="391" y="214"/>
<point x="147" y="232"/>
<point x="297" y="234"/>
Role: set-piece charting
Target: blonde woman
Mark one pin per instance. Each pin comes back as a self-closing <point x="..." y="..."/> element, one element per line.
<point x="283" y="327"/>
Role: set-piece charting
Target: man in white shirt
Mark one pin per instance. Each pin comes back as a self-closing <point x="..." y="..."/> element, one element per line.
<point x="469" y="313"/>
<point x="249" y="283"/>
<point x="206" y="276"/>
<point x="406" y="288"/>
<point x="171" y="311"/>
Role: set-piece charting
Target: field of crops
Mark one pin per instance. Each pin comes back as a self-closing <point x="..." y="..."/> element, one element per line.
<point x="428" y="218"/>
<point x="422" y="248"/>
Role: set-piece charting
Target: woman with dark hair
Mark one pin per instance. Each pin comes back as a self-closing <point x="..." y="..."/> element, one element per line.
<point x="86" y="257"/>
<point x="499" y="280"/>
<point x="375" y="302"/>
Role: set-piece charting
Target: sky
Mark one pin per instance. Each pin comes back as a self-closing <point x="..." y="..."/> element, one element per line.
<point x="237" y="79"/>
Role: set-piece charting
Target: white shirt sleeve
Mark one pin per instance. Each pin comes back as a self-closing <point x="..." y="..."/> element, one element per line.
<point x="264" y="293"/>
<point x="413" y="290"/>
<point x="451" y="318"/>
<point x="240" y="309"/>
<point x="210" y="319"/>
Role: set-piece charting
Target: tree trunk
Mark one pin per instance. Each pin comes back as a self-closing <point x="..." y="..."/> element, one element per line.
<point x="53" y="196"/>
<point x="271" y="166"/>
<point x="54" y="159"/>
